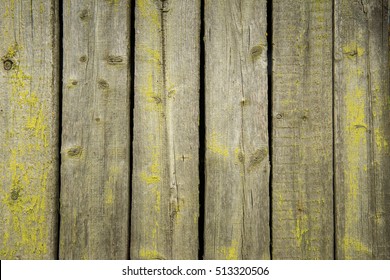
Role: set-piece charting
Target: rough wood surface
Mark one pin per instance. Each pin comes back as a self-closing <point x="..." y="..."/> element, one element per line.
<point x="95" y="130"/>
<point x="237" y="165"/>
<point x="29" y="94"/>
<point x="362" y="111"/>
<point x="302" y="172"/>
<point x="165" y="205"/>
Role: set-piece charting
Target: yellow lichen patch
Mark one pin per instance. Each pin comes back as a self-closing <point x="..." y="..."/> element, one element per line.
<point x="23" y="195"/>
<point x="113" y="2"/>
<point x="301" y="228"/>
<point x="152" y="92"/>
<point x="215" y="146"/>
<point x="149" y="11"/>
<point x="153" y="175"/>
<point x="12" y="51"/>
<point x="27" y="208"/>
<point x="380" y="140"/>
<point x="352" y="49"/>
<point x="41" y="8"/>
<point x="152" y="55"/>
<point x="238" y="155"/>
<point x="353" y="246"/>
<point x="355" y="136"/>
<point x="157" y="195"/>
<point x="230" y="252"/>
<point x="150" y="254"/>
<point x="108" y="195"/>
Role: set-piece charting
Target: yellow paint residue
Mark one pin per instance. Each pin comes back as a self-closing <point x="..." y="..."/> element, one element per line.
<point x="157" y="195"/>
<point x="108" y="195"/>
<point x="353" y="49"/>
<point x="380" y="140"/>
<point x="153" y="175"/>
<point x="355" y="136"/>
<point x="150" y="254"/>
<point x="230" y="252"/>
<point x="215" y="146"/>
<point x="301" y="228"/>
<point x="352" y="246"/>
<point x="113" y="2"/>
<point x="148" y="10"/>
<point x="23" y="196"/>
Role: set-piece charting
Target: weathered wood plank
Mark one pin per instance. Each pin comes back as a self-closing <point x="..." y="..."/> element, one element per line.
<point x="96" y="131"/>
<point x="29" y="94"/>
<point x="165" y="204"/>
<point x="302" y="134"/>
<point x="237" y="165"/>
<point x="362" y="111"/>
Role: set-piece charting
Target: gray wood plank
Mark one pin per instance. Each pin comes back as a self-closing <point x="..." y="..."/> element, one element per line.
<point x="362" y="122"/>
<point x="95" y="130"/>
<point x="165" y="206"/>
<point x="29" y="94"/>
<point x="237" y="165"/>
<point x="302" y="134"/>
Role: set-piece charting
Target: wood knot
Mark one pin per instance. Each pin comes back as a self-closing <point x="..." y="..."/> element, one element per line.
<point x="84" y="15"/>
<point x="8" y="64"/>
<point x="102" y="84"/>
<point x="14" y="194"/>
<point x="257" y="157"/>
<point x="114" y="59"/>
<point x="83" y="58"/>
<point x="256" y="51"/>
<point x="279" y="116"/>
<point x="75" y="151"/>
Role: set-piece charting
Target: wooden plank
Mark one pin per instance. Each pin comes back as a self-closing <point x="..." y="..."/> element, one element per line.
<point x="96" y="130"/>
<point x="237" y="165"/>
<point x="362" y="110"/>
<point x="29" y="92"/>
<point x="302" y="134"/>
<point x="165" y="208"/>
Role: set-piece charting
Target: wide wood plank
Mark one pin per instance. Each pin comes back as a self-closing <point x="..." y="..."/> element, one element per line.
<point x="165" y="208"/>
<point x="237" y="165"/>
<point x="29" y="94"/>
<point x="302" y="134"/>
<point x="95" y="130"/>
<point x="362" y="126"/>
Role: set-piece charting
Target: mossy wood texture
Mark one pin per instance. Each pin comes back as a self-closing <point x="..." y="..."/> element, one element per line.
<point x="302" y="131"/>
<point x="29" y="95"/>
<point x="239" y="144"/>
<point x="165" y="197"/>
<point x="95" y="130"/>
<point x="362" y="130"/>
<point x="237" y="163"/>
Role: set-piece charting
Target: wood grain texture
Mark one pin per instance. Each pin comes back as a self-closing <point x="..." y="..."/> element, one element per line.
<point x="362" y="127"/>
<point x="237" y="165"/>
<point x="29" y="94"/>
<point x="302" y="134"/>
<point x="95" y="130"/>
<point x="165" y="205"/>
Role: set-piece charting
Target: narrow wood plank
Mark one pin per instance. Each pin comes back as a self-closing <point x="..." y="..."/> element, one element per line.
<point x="362" y="111"/>
<point x="165" y="207"/>
<point x="237" y="165"/>
<point x="29" y="94"/>
<point x="96" y="130"/>
<point x="302" y="134"/>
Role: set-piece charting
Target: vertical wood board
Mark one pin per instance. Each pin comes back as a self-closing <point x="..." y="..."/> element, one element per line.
<point x="362" y="128"/>
<point x="237" y="165"/>
<point x="302" y="134"/>
<point x="165" y="206"/>
<point x="29" y="94"/>
<point x="95" y="130"/>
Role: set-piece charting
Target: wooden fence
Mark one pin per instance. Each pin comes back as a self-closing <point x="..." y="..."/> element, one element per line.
<point x="186" y="129"/>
